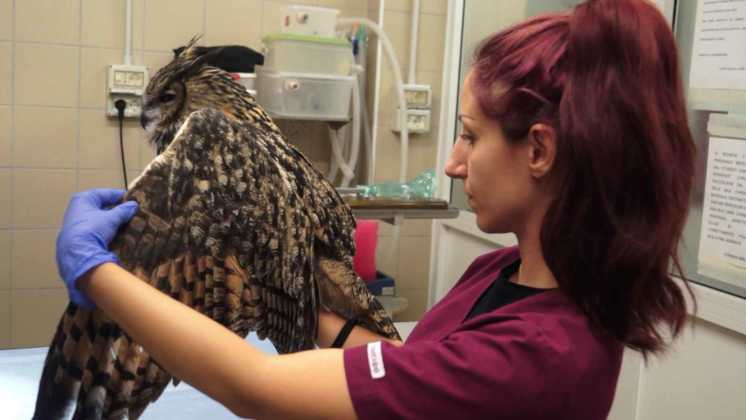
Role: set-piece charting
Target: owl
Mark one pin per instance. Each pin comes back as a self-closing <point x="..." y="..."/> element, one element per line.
<point x="234" y="222"/>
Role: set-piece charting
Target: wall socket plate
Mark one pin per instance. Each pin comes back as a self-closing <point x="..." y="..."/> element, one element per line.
<point x="418" y="121"/>
<point x="127" y="82"/>
<point x="418" y="96"/>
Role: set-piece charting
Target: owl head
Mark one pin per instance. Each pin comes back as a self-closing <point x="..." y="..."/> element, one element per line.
<point x="186" y="84"/>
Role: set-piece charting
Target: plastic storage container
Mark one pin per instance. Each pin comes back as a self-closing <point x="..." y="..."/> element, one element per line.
<point x="247" y="80"/>
<point x="307" y="54"/>
<point x="309" y="20"/>
<point x="304" y="96"/>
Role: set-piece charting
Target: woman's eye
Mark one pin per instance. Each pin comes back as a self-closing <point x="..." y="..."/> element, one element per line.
<point x="469" y="138"/>
<point x="167" y="97"/>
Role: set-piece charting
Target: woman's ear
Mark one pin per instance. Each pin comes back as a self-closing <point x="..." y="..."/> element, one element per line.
<point x="542" y="149"/>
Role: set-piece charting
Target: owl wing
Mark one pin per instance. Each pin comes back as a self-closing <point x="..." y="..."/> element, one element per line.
<point x="224" y="226"/>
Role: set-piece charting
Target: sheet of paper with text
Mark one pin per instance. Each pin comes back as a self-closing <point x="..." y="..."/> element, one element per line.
<point x="722" y="244"/>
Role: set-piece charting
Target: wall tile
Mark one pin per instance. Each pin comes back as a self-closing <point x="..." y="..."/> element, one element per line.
<point x="271" y="17"/>
<point x="310" y="137"/>
<point x="147" y="153"/>
<point x="32" y="81"/>
<point x="234" y="22"/>
<point x="6" y="72"/>
<point x="94" y="68"/>
<point x="416" y="304"/>
<point x="300" y="2"/>
<point x="53" y="21"/>
<point x="94" y="64"/>
<point x="5" y="204"/>
<point x="436" y="7"/>
<point x="373" y="7"/>
<point x="344" y="4"/>
<point x="5" y="259"/>
<point x="99" y="178"/>
<point x="396" y="25"/>
<point x="5" y="304"/>
<point x="352" y="12"/>
<point x="387" y="259"/>
<point x="388" y="152"/>
<point x="410" y="227"/>
<point x="45" y="137"/>
<point x="5" y="136"/>
<point x="103" y="24"/>
<point x="414" y="262"/>
<point x="34" y="265"/>
<point x="388" y="100"/>
<point x="155" y="60"/>
<point x="99" y="142"/>
<point x="40" y="197"/>
<point x="423" y="149"/>
<point x="6" y="19"/>
<point x="272" y="12"/>
<point x="34" y="316"/>
<point x="398" y="5"/>
<point x="431" y="43"/>
<point x="172" y="23"/>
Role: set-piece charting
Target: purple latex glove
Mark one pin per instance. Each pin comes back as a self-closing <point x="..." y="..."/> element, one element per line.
<point x="87" y="229"/>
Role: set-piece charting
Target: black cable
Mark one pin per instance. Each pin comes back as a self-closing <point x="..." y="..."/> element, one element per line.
<point x="121" y="104"/>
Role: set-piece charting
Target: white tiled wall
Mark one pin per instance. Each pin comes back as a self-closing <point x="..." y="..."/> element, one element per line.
<point x="55" y="139"/>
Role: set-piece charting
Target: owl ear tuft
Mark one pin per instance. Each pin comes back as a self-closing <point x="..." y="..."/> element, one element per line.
<point x="190" y="50"/>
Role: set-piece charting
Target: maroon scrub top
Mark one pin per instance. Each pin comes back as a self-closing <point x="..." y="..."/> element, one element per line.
<point x="537" y="358"/>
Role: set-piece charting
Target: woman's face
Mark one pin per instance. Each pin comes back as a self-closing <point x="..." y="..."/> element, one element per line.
<point x="496" y="175"/>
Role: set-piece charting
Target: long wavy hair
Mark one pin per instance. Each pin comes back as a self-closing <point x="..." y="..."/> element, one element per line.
<point x="606" y="77"/>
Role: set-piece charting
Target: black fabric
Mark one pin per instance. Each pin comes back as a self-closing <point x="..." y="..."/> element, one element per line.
<point x="344" y="333"/>
<point x="502" y="292"/>
<point x="231" y="58"/>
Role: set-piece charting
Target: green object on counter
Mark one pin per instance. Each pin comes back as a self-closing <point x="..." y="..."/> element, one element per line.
<point x="304" y="38"/>
<point x="423" y="186"/>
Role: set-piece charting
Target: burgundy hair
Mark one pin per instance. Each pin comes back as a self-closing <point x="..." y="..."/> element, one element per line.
<point x="606" y="77"/>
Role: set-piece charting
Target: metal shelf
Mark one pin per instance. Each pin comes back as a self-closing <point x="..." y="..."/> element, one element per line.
<point x="390" y="215"/>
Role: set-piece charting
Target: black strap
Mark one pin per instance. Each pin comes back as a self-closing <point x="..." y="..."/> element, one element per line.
<point x="344" y="333"/>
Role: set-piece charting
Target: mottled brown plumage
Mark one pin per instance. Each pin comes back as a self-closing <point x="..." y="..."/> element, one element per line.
<point x="234" y="222"/>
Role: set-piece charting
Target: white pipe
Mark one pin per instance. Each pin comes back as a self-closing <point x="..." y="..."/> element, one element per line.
<point x="368" y="141"/>
<point x="413" y="41"/>
<point x="347" y="172"/>
<point x="333" y="166"/>
<point x="396" y="70"/>
<point x="355" y="146"/>
<point x="128" y="33"/>
<point x="362" y="50"/>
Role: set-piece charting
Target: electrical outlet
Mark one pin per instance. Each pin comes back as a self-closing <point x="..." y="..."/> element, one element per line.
<point x="126" y="82"/>
<point x="418" y="121"/>
<point x="418" y="96"/>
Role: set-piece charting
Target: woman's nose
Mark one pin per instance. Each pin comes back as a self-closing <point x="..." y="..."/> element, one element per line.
<point x="456" y="163"/>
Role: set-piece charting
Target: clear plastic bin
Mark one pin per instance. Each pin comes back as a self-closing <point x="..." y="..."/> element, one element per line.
<point x="307" y="54"/>
<point x="304" y="96"/>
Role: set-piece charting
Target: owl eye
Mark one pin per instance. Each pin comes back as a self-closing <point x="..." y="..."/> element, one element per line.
<point x="166" y="97"/>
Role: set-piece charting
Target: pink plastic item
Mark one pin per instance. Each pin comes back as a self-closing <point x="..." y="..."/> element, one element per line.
<point x="366" y="238"/>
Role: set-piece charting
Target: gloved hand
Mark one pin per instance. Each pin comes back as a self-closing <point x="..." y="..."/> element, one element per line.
<point x="87" y="229"/>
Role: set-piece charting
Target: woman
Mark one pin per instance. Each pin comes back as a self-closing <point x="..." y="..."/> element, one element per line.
<point x="575" y="139"/>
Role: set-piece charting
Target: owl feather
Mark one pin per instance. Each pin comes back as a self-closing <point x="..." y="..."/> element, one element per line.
<point x="234" y="222"/>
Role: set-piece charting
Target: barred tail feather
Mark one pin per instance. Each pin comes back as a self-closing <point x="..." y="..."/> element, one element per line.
<point x="56" y="399"/>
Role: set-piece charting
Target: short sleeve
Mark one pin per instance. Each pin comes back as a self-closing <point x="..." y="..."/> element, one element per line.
<point x="505" y="369"/>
